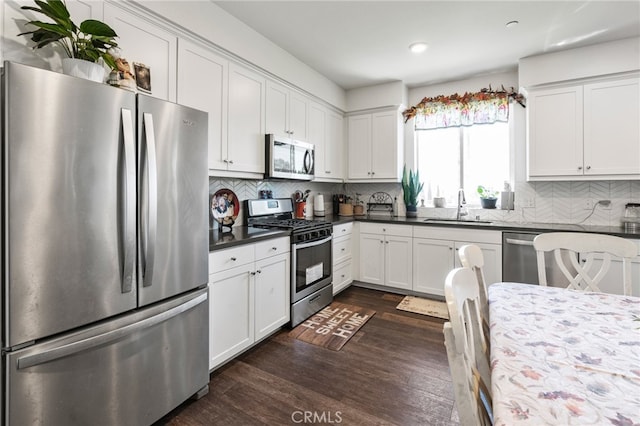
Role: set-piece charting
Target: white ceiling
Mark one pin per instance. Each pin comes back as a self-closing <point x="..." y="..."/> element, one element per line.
<point x="361" y="43"/>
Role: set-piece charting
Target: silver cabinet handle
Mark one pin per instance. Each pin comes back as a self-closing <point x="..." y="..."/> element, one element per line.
<point x="588" y="167"/>
<point x="259" y="271"/>
<point x="233" y="259"/>
<point x="342" y="249"/>
<point x="129" y="233"/>
<point x="328" y="172"/>
<point x="152" y="212"/>
<point x="274" y="248"/>
<point x="102" y="339"/>
<point x="579" y="167"/>
<point x="230" y="161"/>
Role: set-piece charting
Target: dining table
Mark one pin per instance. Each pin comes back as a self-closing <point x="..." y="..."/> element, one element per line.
<point x="563" y="357"/>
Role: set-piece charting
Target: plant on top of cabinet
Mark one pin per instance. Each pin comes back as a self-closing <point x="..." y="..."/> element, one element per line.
<point x="90" y="41"/>
<point x="411" y="187"/>
<point x="488" y="197"/>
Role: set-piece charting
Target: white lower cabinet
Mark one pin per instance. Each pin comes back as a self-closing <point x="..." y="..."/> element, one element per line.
<point x="249" y="296"/>
<point x="342" y="252"/>
<point x="386" y="255"/>
<point x="435" y="254"/>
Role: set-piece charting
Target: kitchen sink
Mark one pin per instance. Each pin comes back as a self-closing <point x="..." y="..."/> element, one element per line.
<point x="457" y="221"/>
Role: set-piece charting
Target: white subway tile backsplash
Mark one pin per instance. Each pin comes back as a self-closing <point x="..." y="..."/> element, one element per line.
<point x="553" y="202"/>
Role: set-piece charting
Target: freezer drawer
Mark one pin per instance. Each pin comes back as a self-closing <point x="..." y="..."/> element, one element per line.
<point x="129" y="371"/>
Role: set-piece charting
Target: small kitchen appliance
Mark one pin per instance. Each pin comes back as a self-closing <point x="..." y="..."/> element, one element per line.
<point x="287" y="158"/>
<point x="631" y="219"/>
<point x="311" y="254"/>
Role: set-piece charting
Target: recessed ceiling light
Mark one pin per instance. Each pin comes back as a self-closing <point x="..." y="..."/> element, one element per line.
<point x="511" y="24"/>
<point x="418" y="47"/>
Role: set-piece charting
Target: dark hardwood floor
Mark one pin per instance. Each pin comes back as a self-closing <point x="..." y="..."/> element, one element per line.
<point x="394" y="371"/>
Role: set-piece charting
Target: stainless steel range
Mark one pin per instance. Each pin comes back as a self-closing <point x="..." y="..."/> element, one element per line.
<point x="311" y="273"/>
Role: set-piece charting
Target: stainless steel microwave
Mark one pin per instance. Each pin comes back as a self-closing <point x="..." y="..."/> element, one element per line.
<point x="288" y="159"/>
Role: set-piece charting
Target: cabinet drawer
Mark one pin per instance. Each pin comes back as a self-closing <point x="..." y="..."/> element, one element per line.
<point x="230" y="258"/>
<point x="386" y="229"/>
<point x="272" y="247"/>
<point x="342" y="275"/>
<point x="341" y="249"/>
<point x="342" y="229"/>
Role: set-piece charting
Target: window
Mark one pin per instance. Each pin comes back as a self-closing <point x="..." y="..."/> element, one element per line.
<point x="463" y="157"/>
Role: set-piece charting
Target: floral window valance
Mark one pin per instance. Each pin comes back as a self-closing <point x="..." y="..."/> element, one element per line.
<point x="485" y="106"/>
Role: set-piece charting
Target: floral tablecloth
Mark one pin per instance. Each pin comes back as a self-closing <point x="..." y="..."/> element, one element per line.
<point x="563" y="357"/>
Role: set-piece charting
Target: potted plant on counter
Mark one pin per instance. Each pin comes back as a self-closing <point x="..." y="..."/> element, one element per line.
<point x="85" y="45"/>
<point x="488" y="197"/>
<point x="411" y="187"/>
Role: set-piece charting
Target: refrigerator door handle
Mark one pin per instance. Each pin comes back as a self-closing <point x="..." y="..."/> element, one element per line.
<point x="130" y="201"/>
<point x="103" y="339"/>
<point x="152" y="231"/>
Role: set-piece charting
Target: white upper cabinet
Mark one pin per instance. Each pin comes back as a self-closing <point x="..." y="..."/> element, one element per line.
<point x="375" y="146"/>
<point x="197" y="64"/>
<point x="585" y="131"/>
<point x="612" y="128"/>
<point x="286" y="112"/>
<point x="145" y="42"/>
<point x="325" y="131"/>
<point x="246" y="141"/>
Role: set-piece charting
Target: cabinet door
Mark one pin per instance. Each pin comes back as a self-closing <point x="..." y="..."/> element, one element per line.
<point x="612" y="127"/>
<point x="492" y="256"/>
<point x="231" y="313"/>
<point x="272" y="300"/>
<point x="246" y="120"/>
<point x="398" y="261"/>
<point x="372" y="258"/>
<point x="298" y="113"/>
<point x="555" y="132"/>
<point x="334" y="151"/>
<point x="317" y="136"/>
<point x="384" y="145"/>
<point x="147" y="43"/>
<point x="195" y="66"/>
<point x="360" y="147"/>
<point x="277" y="109"/>
<point x="432" y="261"/>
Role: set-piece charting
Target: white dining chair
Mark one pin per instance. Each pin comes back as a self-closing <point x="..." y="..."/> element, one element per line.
<point x="467" y="349"/>
<point x="583" y="247"/>
<point x="471" y="257"/>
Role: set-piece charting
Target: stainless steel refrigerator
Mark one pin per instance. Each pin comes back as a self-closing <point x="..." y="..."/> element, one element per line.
<point x="104" y="252"/>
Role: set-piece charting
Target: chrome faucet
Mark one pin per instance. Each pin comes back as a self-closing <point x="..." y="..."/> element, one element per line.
<point x="462" y="210"/>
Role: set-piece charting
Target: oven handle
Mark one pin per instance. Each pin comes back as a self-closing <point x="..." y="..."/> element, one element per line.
<point x="312" y="243"/>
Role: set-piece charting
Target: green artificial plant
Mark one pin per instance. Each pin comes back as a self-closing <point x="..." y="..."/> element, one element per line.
<point x="487" y="193"/>
<point x="89" y="41"/>
<point x="411" y="186"/>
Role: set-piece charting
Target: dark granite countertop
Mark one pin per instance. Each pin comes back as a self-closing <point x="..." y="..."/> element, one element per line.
<point x="508" y="226"/>
<point x="244" y="235"/>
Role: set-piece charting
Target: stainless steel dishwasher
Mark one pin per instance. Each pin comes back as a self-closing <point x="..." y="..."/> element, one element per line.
<point x="519" y="262"/>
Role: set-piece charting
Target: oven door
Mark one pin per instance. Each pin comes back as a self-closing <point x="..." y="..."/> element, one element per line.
<point x="311" y="267"/>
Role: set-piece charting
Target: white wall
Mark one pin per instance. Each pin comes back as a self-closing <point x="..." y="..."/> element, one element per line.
<point x="381" y="95"/>
<point x="600" y="59"/>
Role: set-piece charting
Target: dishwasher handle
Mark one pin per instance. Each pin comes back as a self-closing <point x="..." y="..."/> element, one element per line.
<point x="518" y="242"/>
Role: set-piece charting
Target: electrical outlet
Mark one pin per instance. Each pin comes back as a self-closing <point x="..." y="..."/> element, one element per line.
<point x="588" y="204"/>
<point x="528" y="202"/>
